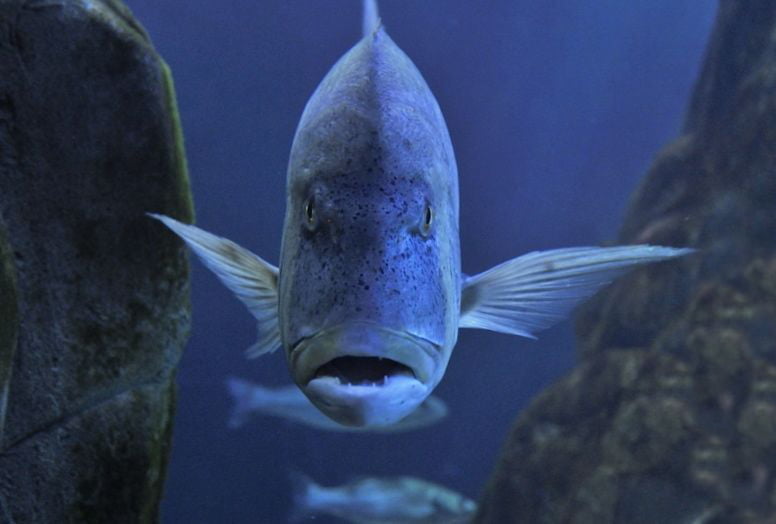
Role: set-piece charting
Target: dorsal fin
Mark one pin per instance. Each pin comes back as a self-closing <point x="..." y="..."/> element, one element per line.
<point x="371" y="20"/>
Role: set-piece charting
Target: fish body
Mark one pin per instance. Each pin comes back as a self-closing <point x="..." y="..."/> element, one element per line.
<point x="369" y="295"/>
<point x="372" y="214"/>
<point x="289" y="403"/>
<point x="395" y="500"/>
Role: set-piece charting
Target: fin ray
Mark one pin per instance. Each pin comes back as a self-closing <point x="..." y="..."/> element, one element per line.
<point x="252" y="279"/>
<point x="532" y="292"/>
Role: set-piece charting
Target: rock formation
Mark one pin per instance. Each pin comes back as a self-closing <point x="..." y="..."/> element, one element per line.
<point x="670" y="416"/>
<point x="89" y="142"/>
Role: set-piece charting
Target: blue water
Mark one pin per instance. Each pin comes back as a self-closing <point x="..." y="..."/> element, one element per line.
<point x="555" y="109"/>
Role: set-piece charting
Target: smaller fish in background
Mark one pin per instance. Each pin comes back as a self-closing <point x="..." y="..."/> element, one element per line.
<point x="289" y="403"/>
<point x="390" y="500"/>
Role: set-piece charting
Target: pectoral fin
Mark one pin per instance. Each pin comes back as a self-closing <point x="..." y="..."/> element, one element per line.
<point x="252" y="279"/>
<point x="532" y="292"/>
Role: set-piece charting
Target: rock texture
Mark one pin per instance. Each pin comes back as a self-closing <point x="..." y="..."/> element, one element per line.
<point x="670" y="416"/>
<point x="89" y="142"/>
<point x="9" y="321"/>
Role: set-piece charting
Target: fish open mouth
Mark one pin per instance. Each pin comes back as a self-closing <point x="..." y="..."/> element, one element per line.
<point x="363" y="370"/>
<point x="361" y="373"/>
<point x="361" y="353"/>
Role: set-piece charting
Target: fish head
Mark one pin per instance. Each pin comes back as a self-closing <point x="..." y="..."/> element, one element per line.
<point x="369" y="288"/>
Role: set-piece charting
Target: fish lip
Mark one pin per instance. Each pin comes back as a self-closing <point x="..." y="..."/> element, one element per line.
<point x="422" y="361"/>
<point x="367" y="405"/>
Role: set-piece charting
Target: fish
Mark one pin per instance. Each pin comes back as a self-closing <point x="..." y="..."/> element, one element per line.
<point x="376" y="500"/>
<point x="369" y="294"/>
<point x="289" y="403"/>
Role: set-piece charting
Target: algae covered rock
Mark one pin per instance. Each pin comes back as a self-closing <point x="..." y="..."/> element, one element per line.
<point x="89" y="142"/>
<point x="670" y="417"/>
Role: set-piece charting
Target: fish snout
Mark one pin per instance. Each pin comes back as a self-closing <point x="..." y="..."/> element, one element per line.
<point x="364" y="374"/>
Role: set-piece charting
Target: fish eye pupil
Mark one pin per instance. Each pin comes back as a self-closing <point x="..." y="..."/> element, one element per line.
<point x="428" y="217"/>
<point x="424" y="225"/>
<point x="309" y="211"/>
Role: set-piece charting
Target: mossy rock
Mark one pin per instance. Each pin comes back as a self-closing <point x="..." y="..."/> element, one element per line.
<point x="90" y="141"/>
<point x="669" y="417"/>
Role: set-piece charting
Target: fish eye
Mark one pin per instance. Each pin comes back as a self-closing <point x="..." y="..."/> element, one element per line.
<point x="311" y="219"/>
<point x="428" y="218"/>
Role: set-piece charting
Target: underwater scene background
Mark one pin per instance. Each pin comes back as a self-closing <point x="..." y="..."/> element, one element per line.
<point x="555" y="110"/>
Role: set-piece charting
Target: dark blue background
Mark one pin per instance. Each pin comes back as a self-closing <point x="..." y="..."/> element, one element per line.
<point x="555" y="108"/>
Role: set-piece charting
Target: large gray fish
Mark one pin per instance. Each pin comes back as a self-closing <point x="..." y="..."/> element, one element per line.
<point x="393" y="500"/>
<point x="289" y="403"/>
<point x="369" y="295"/>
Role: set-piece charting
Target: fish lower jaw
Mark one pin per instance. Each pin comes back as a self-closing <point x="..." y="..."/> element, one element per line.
<point x="367" y="404"/>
